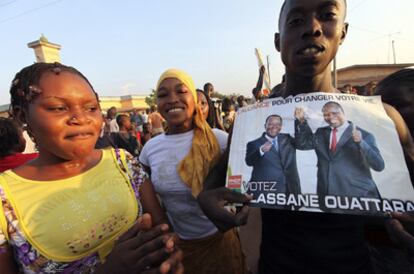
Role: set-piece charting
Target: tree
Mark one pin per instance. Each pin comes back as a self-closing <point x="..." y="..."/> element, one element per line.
<point x="151" y="99"/>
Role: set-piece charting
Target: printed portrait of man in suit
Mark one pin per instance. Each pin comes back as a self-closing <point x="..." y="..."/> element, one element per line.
<point x="273" y="157"/>
<point x="346" y="153"/>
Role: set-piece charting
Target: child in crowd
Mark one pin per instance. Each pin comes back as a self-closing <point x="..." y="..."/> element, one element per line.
<point x="229" y="110"/>
<point x="178" y="162"/>
<point x="12" y="145"/>
<point x="74" y="209"/>
<point x="124" y="138"/>
<point x="146" y="134"/>
<point x="303" y="242"/>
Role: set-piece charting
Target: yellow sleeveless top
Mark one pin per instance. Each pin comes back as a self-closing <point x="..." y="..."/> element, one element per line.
<point x="68" y="219"/>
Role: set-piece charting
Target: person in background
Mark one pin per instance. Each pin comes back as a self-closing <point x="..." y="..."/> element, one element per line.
<point x="369" y="88"/>
<point x="145" y="114"/>
<point x="258" y="88"/>
<point x="146" y="134"/>
<point x="12" y="145"/>
<point x="229" y="111"/>
<point x="137" y="120"/>
<point x="125" y="138"/>
<point x="347" y="89"/>
<point x="241" y="102"/>
<point x="157" y="121"/>
<point x="203" y="103"/>
<point x="209" y="89"/>
<point x="208" y="110"/>
<point x="110" y="121"/>
<point x="105" y="137"/>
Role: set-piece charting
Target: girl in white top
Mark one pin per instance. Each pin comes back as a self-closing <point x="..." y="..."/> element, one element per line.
<point x="178" y="162"/>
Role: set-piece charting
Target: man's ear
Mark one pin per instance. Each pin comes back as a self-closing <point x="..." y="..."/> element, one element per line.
<point x="344" y="32"/>
<point x="277" y="41"/>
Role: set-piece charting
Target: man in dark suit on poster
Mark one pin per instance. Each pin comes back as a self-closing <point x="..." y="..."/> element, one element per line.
<point x="345" y="153"/>
<point x="273" y="158"/>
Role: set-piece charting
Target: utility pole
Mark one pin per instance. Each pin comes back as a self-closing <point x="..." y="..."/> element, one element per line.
<point x="268" y="70"/>
<point x="393" y="52"/>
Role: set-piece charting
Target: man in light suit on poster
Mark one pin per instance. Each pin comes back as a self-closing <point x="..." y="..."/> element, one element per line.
<point x="345" y="152"/>
<point x="273" y="157"/>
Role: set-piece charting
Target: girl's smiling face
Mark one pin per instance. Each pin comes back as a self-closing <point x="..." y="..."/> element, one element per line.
<point x="65" y="118"/>
<point x="176" y="104"/>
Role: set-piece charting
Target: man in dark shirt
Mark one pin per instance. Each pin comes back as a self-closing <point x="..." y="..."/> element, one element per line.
<point x="302" y="242"/>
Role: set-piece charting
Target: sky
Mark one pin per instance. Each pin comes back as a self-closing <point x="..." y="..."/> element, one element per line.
<point x="124" y="46"/>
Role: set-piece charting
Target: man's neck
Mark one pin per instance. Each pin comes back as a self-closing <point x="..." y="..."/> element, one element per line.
<point x="270" y="137"/>
<point x="298" y="84"/>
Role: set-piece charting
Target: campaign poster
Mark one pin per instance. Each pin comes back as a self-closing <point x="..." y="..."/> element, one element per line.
<point x="320" y="152"/>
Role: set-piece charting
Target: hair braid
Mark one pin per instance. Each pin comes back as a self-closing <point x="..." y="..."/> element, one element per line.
<point x="24" y="87"/>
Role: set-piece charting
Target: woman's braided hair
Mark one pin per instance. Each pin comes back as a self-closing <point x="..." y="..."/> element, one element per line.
<point x="24" y="87"/>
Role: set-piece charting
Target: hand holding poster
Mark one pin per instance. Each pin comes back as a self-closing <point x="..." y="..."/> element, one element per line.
<point x="320" y="152"/>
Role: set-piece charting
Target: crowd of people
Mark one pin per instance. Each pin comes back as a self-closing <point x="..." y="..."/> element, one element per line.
<point x="142" y="191"/>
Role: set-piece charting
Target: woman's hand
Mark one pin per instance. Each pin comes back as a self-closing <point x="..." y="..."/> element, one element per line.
<point x="144" y="249"/>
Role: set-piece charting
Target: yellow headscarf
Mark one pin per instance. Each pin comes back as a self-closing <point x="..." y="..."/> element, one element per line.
<point x="205" y="150"/>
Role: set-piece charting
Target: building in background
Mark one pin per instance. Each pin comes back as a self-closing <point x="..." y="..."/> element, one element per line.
<point x="45" y="51"/>
<point x="48" y="52"/>
<point x="360" y="75"/>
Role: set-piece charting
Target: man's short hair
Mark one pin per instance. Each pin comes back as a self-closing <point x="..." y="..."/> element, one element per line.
<point x="332" y="103"/>
<point x="276" y="116"/>
<point x="207" y="86"/>
<point x="284" y="4"/>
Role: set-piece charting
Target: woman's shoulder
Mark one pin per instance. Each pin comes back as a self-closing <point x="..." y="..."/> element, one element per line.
<point x="155" y="140"/>
<point x="222" y="138"/>
<point x="220" y="133"/>
<point x="149" y="147"/>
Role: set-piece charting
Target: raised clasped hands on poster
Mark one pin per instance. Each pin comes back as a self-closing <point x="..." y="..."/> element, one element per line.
<point x="401" y="230"/>
<point x="300" y="114"/>
<point x="144" y="249"/>
<point x="213" y="203"/>
<point x="356" y="134"/>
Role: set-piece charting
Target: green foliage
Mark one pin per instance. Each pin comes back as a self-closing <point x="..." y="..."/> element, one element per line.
<point x="151" y="100"/>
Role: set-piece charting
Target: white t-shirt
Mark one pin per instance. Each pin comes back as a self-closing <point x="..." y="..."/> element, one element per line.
<point x="113" y="126"/>
<point x="163" y="154"/>
<point x="145" y="118"/>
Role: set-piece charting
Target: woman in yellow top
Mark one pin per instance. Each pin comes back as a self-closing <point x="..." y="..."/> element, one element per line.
<point x="179" y="161"/>
<point x="74" y="209"/>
